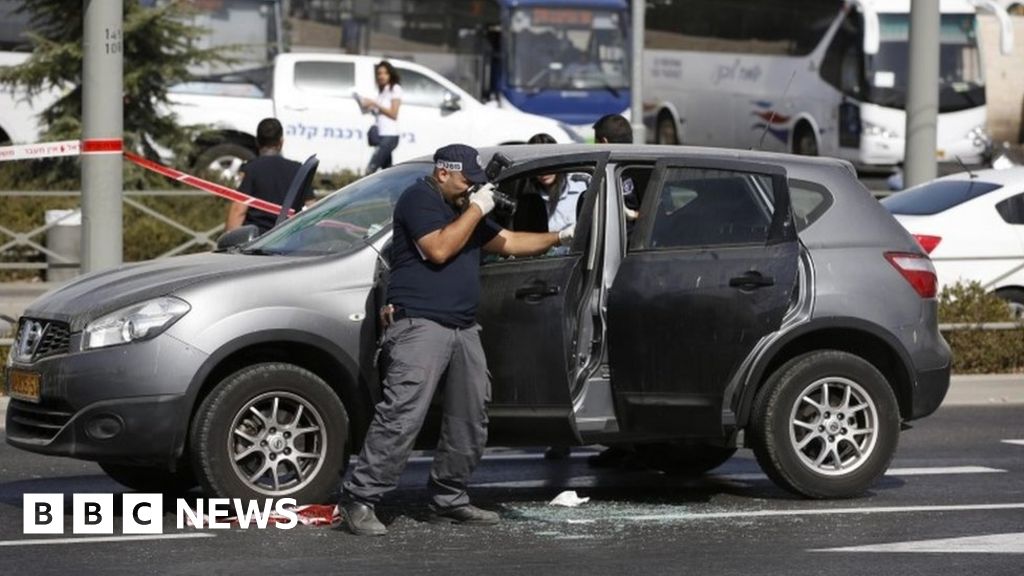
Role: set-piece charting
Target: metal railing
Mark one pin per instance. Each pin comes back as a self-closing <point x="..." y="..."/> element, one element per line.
<point x="10" y="239"/>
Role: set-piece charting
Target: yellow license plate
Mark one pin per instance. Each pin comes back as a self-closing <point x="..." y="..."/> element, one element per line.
<point x="23" y="385"/>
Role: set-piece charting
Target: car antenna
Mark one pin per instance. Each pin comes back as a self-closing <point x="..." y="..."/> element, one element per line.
<point x="772" y="117"/>
<point x="964" y="166"/>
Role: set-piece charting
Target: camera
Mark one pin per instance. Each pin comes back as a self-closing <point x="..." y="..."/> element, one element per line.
<point x="502" y="202"/>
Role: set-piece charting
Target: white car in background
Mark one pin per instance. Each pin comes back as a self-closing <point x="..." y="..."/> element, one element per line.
<point x="972" y="226"/>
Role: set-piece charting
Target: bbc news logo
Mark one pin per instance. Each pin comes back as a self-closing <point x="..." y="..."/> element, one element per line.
<point x="144" y="513"/>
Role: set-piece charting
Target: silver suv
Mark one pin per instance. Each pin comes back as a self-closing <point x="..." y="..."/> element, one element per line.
<point x="758" y="297"/>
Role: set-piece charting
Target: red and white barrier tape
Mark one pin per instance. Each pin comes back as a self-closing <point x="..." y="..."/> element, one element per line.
<point x="114" y="146"/>
<point x="41" y="150"/>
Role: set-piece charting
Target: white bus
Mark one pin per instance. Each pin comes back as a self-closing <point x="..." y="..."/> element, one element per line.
<point x="826" y="77"/>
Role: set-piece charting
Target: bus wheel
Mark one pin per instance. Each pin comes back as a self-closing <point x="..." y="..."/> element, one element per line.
<point x="805" y="143"/>
<point x="666" y="132"/>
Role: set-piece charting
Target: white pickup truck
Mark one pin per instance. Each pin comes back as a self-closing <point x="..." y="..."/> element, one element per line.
<point x="312" y="95"/>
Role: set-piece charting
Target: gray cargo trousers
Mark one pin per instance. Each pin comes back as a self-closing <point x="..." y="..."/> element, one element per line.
<point x="418" y="353"/>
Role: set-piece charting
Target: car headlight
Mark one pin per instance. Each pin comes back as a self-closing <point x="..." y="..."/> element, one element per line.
<point x="136" y="322"/>
<point x="881" y="131"/>
<point x="978" y="137"/>
<point x="572" y="133"/>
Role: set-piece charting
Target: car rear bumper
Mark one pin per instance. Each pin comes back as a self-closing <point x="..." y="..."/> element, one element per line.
<point x="930" y="390"/>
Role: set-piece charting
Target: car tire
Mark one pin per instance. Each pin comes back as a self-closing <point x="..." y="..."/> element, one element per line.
<point x="665" y="132"/>
<point x="809" y="447"/>
<point x="271" y="430"/>
<point x="804" y="143"/>
<point x="223" y="162"/>
<point x="1015" y="299"/>
<point x="684" y="458"/>
<point x="151" y="479"/>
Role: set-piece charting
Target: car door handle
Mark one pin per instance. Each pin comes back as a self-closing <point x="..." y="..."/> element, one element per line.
<point x="296" y="108"/>
<point x="751" y="280"/>
<point x="535" y="291"/>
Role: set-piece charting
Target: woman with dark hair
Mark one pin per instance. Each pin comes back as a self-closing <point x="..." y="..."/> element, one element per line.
<point x="385" y="108"/>
<point x="560" y="191"/>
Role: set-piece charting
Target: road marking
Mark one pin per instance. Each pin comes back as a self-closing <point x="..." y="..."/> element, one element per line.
<point x="1017" y="442"/>
<point x="95" y="539"/>
<point x="820" y="512"/>
<point x="990" y="544"/>
<point x="592" y="481"/>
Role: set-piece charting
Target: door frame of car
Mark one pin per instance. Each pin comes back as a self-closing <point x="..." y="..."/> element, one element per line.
<point x="535" y="404"/>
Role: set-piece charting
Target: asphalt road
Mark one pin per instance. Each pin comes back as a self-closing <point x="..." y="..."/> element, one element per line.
<point x="952" y="503"/>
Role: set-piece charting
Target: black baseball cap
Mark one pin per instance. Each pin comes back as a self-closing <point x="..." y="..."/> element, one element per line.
<point x="461" y="158"/>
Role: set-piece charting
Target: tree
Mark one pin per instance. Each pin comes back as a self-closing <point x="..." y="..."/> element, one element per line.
<point x="159" y="50"/>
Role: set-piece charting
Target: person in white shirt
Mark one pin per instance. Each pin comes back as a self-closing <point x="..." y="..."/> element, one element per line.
<point x="560" y="192"/>
<point x="385" y="108"/>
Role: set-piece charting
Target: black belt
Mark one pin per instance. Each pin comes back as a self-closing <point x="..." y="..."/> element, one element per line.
<point x="402" y="314"/>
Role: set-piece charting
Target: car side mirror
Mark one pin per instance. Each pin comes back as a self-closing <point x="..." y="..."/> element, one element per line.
<point x="451" y="102"/>
<point x="237" y="237"/>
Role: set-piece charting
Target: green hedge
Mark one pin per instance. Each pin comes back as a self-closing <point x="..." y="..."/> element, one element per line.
<point x="978" y="351"/>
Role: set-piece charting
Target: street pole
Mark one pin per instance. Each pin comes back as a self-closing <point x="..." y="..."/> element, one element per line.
<point x="102" y="131"/>
<point x="922" y="93"/>
<point x="636" y="109"/>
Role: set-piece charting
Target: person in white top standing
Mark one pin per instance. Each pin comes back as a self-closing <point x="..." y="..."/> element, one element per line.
<point x="385" y="108"/>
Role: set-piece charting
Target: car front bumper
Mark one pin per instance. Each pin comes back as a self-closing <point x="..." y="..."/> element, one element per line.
<point x="124" y="404"/>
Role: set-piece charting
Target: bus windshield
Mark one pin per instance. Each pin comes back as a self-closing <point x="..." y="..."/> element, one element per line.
<point x="567" y="49"/>
<point x="961" y="85"/>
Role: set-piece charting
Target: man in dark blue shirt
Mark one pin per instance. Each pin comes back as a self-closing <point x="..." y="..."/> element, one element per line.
<point x="266" y="177"/>
<point x="432" y="332"/>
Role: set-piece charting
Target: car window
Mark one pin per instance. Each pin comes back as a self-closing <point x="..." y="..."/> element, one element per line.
<point x="1012" y="209"/>
<point x="419" y="90"/>
<point x="345" y="220"/>
<point x="703" y="207"/>
<point x="809" y="201"/>
<point x="326" y="78"/>
<point x="936" y="196"/>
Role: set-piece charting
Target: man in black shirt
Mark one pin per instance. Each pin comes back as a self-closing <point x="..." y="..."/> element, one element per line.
<point x="266" y="177"/>
<point x="432" y="332"/>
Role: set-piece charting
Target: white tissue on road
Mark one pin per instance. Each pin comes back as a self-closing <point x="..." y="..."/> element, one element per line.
<point x="569" y="499"/>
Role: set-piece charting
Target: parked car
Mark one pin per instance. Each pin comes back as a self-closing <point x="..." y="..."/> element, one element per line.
<point x="972" y="226"/>
<point x="761" y="296"/>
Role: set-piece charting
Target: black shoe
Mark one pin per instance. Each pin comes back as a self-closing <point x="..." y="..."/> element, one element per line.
<point x="556" y="453"/>
<point x="467" y="514"/>
<point x="359" y="519"/>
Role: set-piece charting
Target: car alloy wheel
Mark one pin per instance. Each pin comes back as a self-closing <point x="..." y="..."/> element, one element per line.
<point x="825" y="425"/>
<point x="270" y="430"/>
<point x="278" y="442"/>
<point x="833" y="426"/>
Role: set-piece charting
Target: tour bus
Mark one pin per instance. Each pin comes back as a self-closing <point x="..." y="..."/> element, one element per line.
<point x="827" y="77"/>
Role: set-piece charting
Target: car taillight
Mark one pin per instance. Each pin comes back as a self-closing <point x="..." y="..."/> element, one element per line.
<point x="917" y="269"/>
<point x="928" y="243"/>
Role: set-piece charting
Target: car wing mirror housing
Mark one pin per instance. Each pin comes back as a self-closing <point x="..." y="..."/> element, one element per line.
<point x="237" y="237"/>
<point x="451" y="102"/>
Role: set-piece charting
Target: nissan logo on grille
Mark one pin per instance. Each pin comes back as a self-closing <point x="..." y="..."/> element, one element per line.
<point x="29" y="337"/>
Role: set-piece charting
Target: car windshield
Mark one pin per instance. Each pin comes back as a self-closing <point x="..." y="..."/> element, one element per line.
<point x="568" y="49"/>
<point x="961" y="84"/>
<point x="937" y="196"/>
<point x="345" y="220"/>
